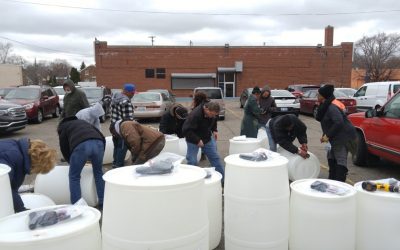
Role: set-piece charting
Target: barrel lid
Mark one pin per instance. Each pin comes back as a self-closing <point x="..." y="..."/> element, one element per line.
<point x="300" y="168"/>
<point x="171" y="137"/>
<point x="4" y="169"/>
<point x="246" y="140"/>
<point x="377" y="193"/>
<point x="235" y="160"/>
<point x="14" y="228"/>
<point x="304" y="187"/>
<point x="127" y="176"/>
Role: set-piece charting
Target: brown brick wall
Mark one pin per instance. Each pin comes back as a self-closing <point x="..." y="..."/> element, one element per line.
<point x="277" y="66"/>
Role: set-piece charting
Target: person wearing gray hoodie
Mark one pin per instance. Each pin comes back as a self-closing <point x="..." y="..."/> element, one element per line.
<point x="268" y="105"/>
<point x="92" y="114"/>
<point x="74" y="99"/>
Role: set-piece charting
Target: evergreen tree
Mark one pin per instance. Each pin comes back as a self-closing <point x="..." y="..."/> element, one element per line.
<point x="74" y="75"/>
<point x="83" y="66"/>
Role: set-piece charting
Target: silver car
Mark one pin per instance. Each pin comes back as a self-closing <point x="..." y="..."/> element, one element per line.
<point x="150" y="104"/>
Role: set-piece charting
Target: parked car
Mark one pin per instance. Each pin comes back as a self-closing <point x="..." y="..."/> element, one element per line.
<point x="95" y="94"/>
<point x="5" y="91"/>
<point x="299" y="89"/>
<point x="168" y="93"/>
<point x="244" y="96"/>
<point x="347" y="91"/>
<point x="12" y="117"/>
<point x="309" y="102"/>
<point x="286" y="102"/>
<point x="375" y="94"/>
<point x="214" y="94"/>
<point x="150" y="104"/>
<point x="378" y="133"/>
<point x="39" y="101"/>
<point x="61" y="93"/>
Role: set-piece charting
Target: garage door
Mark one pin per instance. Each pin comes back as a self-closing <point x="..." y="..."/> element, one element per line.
<point x="191" y="81"/>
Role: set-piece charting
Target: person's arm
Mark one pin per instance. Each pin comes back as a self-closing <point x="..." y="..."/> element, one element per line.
<point x="17" y="200"/>
<point x="189" y="128"/>
<point x="301" y="132"/>
<point x="336" y="117"/>
<point x="255" y="109"/>
<point x="64" y="145"/>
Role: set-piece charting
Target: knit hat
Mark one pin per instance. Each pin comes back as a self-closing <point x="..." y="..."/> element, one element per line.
<point x="256" y="90"/>
<point x="326" y="91"/>
<point x="181" y="112"/>
<point x="129" y="87"/>
<point x="266" y="88"/>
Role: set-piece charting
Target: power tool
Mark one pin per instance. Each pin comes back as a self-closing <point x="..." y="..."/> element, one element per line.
<point x="373" y="186"/>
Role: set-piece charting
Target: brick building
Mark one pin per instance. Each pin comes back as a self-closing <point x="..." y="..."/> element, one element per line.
<point x="88" y="74"/>
<point x="233" y="68"/>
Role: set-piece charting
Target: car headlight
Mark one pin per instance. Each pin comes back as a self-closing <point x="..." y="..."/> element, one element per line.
<point x="28" y="106"/>
<point x="4" y="112"/>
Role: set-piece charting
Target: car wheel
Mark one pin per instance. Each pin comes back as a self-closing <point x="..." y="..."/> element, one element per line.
<point x="39" y="117"/>
<point x="359" y="157"/>
<point x="315" y="111"/>
<point x="56" y="112"/>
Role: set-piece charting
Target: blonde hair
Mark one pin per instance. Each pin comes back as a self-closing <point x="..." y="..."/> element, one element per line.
<point x="43" y="158"/>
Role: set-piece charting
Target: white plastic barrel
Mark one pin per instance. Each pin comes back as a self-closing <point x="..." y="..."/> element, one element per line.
<point x="248" y="145"/>
<point x="82" y="232"/>
<point x="256" y="204"/>
<point x="377" y="220"/>
<point x="108" y="152"/>
<point x="322" y="220"/>
<point x="171" y="144"/>
<point x="35" y="200"/>
<point x="55" y="185"/>
<point x="300" y="168"/>
<point x="214" y="204"/>
<point x="6" y="200"/>
<point x="183" y="149"/>
<point x="262" y="134"/>
<point x="155" y="212"/>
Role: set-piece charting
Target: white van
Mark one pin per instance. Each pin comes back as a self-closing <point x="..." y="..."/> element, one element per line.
<point x="374" y="94"/>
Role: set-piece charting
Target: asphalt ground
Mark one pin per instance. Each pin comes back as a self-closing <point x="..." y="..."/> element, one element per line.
<point x="227" y="128"/>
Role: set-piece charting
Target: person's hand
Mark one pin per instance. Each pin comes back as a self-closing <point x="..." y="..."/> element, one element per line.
<point x="303" y="153"/>
<point x="304" y="147"/>
<point x="200" y="144"/>
<point x="324" y="138"/>
<point x="215" y="135"/>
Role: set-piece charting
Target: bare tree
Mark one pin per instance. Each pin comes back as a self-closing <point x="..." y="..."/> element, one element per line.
<point x="5" y="50"/>
<point x="378" y="55"/>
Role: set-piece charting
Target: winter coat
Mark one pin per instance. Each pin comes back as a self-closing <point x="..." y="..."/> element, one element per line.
<point x="72" y="131"/>
<point x="14" y="153"/>
<point x="74" y="101"/>
<point x="169" y="124"/>
<point x="268" y="105"/>
<point x="141" y="140"/>
<point x="92" y="114"/>
<point x="249" y="126"/>
<point x="199" y="127"/>
<point x="284" y="137"/>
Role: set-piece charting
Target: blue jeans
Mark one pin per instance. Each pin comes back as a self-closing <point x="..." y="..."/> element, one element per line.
<point x="119" y="152"/>
<point x="210" y="150"/>
<point x="92" y="150"/>
<point x="271" y="142"/>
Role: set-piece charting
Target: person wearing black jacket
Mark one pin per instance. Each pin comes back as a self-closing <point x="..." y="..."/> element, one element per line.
<point x="172" y="121"/>
<point x="80" y="142"/>
<point x="200" y="131"/>
<point x="285" y="129"/>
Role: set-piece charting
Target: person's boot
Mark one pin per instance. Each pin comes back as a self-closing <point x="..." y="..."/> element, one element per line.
<point x="332" y="169"/>
<point x="341" y="173"/>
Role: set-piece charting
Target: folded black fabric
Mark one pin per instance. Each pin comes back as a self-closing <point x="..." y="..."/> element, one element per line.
<point x="255" y="156"/>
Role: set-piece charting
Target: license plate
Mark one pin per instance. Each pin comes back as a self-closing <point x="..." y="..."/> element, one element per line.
<point x="141" y="108"/>
<point x="284" y="109"/>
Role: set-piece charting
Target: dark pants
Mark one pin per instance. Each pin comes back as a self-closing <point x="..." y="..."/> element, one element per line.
<point x="119" y="152"/>
<point x="337" y="161"/>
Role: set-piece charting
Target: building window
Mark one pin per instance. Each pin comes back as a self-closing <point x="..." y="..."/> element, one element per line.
<point x="160" y="72"/>
<point x="149" y="73"/>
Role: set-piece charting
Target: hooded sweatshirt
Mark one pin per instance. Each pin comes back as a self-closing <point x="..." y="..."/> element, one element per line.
<point x="74" y="101"/>
<point x="92" y="114"/>
<point x="268" y="104"/>
<point x="121" y="108"/>
<point x="169" y="124"/>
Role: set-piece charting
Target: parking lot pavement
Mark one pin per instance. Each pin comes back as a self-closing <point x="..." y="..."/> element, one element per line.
<point x="228" y="128"/>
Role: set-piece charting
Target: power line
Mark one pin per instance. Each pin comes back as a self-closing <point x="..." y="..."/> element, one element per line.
<point x="44" y="48"/>
<point x="205" y="13"/>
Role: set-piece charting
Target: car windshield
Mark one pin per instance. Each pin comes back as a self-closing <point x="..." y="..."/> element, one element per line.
<point x="93" y="93"/>
<point x="281" y="93"/>
<point x="211" y="93"/>
<point x="4" y="92"/>
<point x="23" y="93"/>
<point x="147" y="97"/>
<point x="306" y="88"/>
<point x="396" y="88"/>
<point x="159" y="91"/>
<point x="60" y="91"/>
<point x="338" y="93"/>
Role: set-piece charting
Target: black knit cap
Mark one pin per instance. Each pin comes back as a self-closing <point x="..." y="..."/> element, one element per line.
<point x="326" y="91"/>
<point x="256" y="90"/>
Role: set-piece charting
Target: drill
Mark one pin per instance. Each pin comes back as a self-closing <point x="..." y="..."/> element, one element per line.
<point x="373" y="186"/>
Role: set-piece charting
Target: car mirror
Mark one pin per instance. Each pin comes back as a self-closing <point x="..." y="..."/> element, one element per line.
<point x="370" y="113"/>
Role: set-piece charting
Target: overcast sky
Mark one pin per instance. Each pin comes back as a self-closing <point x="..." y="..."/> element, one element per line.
<point x="60" y="29"/>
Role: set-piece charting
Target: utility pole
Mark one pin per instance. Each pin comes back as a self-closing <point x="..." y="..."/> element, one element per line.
<point x="152" y="40"/>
